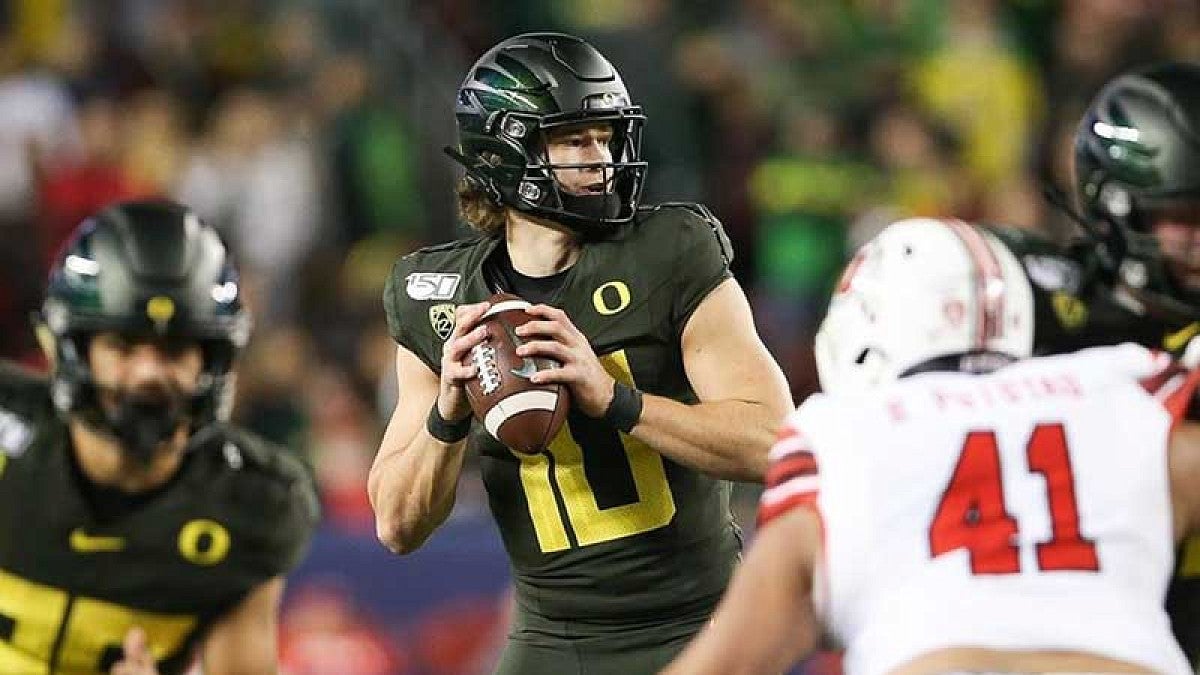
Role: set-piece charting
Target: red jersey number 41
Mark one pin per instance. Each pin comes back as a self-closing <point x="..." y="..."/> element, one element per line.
<point x="972" y="514"/>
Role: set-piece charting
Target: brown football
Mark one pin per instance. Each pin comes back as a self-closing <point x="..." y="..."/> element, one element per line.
<point x="520" y="414"/>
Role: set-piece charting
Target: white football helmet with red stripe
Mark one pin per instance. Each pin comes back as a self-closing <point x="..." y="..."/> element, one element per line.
<point x="922" y="289"/>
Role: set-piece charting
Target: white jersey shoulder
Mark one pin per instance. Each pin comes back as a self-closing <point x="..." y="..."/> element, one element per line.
<point x="1028" y="508"/>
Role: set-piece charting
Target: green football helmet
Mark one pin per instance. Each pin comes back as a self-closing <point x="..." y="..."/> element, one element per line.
<point x="1137" y="150"/>
<point x="526" y="87"/>
<point x="144" y="269"/>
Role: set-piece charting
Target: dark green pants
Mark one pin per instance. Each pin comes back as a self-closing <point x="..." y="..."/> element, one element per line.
<point x="538" y="646"/>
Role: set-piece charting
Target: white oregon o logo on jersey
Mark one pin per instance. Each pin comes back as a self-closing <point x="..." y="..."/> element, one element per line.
<point x="204" y="542"/>
<point x="601" y="303"/>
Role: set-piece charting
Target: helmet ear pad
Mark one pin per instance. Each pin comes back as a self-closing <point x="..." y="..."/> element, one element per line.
<point x="72" y="388"/>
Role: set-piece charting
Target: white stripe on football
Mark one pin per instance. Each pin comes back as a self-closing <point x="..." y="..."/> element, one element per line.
<point x="535" y="399"/>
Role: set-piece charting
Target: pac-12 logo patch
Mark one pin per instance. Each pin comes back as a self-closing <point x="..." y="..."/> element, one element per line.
<point x="1072" y="312"/>
<point x="441" y="317"/>
<point x="432" y="285"/>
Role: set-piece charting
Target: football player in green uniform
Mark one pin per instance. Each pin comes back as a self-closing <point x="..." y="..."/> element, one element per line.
<point x="620" y="535"/>
<point x="1136" y="275"/>
<point x="138" y="530"/>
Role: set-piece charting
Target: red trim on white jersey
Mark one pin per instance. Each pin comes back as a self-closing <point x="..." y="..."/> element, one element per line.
<point x="788" y="441"/>
<point x="1173" y="386"/>
<point x="801" y="495"/>
<point x="795" y="465"/>
<point x="792" y="477"/>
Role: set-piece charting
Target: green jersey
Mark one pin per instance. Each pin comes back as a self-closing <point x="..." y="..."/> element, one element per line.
<point x="72" y="582"/>
<point x="1076" y="306"/>
<point x="600" y="528"/>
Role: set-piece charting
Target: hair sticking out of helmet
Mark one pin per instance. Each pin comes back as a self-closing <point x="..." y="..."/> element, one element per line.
<point x="143" y="270"/>
<point x="520" y="96"/>
<point x="922" y="290"/>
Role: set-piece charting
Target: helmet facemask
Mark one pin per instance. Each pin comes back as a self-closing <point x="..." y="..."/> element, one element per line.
<point x="143" y="418"/>
<point x="140" y="418"/>
<point x="1152" y="266"/>
<point x="609" y="192"/>
<point x="525" y="178"/>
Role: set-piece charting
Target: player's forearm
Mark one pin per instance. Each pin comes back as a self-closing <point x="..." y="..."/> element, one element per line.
<point x="412" y="490"/>
<point x="726" y="439"/>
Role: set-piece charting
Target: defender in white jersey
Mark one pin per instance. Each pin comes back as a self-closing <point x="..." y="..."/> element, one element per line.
<point x="945" y="507"/>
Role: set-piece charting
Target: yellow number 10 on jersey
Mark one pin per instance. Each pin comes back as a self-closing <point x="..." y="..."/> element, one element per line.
<point x="654" y="508"/>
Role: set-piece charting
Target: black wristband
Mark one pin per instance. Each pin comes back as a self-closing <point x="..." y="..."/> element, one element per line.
<point x="625" y="410"/>
<point x="443" y="429"/>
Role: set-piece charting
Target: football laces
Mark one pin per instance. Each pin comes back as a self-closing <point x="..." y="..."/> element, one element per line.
<point x="484" y="358"/>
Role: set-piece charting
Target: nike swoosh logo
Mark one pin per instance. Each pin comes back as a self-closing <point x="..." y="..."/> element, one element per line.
<point x="82" y="542"/>
<point x="1178" y="340"/>
<point x="527" y="369"/>
<point x="528" y="366"/>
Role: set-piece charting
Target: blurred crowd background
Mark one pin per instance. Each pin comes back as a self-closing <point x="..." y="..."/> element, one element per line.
<point x="310" y="132"/>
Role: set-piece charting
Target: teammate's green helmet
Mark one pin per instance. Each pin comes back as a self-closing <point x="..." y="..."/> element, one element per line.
<point x="1137" y="150"/>
<point x="144" y="268"/>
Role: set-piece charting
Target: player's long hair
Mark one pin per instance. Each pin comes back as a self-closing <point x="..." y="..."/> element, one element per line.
<point x="476" y="207"/>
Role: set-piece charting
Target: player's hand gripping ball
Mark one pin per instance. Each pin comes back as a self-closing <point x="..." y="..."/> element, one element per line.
<point x="520" y="414"/>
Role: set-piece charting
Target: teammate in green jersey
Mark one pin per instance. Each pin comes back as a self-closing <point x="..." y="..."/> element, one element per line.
<point x="139" y="531"/>
<point x="620" y="535"/>
<point x="1136" y="275"/>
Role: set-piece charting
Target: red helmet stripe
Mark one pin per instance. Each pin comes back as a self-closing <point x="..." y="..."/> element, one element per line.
<point x="989" y="283"/>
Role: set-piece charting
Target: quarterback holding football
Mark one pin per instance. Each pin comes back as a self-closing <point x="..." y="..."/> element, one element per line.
<point x="619" y="529"/>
